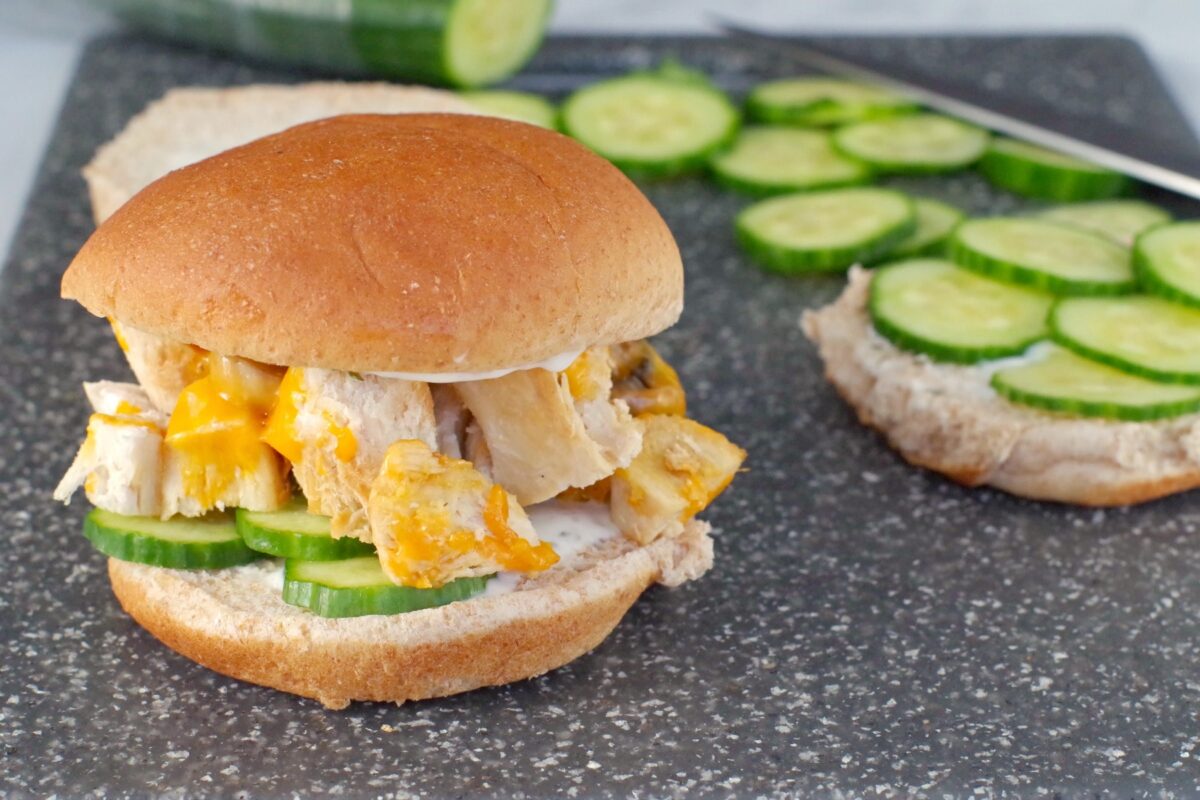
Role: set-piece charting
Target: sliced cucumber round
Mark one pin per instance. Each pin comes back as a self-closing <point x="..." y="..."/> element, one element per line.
<point x="1118" y="220"/>
<point x="488" y="40"/>
<point x="930" y="306"/>
<point x="920" y="143"/>
<point x="822" y="102"/>
<point x="208" y="542"/>
<point x="935" y="221"/>
<point x="357" y="587"/>
<point x="1058" y="258"/>
<point x="652" y="124"/>
<point x="520" y="106"/>
<point x="827" y="230"/>
<point x="292" y="532"/>
<point x="1141" y="335"/>
<point x="1032" y="171"/>
<point x="767" y="161"/>
<point x="1061" y="381"/>
<point x="1167" y="260"/>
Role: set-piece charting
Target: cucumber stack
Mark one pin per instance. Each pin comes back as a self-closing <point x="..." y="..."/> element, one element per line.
<point x="327" y="576"/>
<point x="1117" y="334"/>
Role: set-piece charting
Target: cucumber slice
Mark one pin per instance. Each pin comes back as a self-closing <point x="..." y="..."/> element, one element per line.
<point x="1119" y="220"/>
<point x="1167" y="260"/>
<point x="767" y="161"/>
<point x="1141" y="335"/>
<point x="920" y="143"/>
<point x="652" y="124"/>
<point x="935" y="221"/>
<point x="827" y="230"/>
<point x="1032" y="171"/>
<point x="1047" y="255"/>
<point x="520" y="106"/>
<point x="356" y="587"/>
<point x="822" y="102"/>
<point x="1063" y="381"/>
<point x="208" y="542"/>
<point x="930" y="306"/>
<point x="292" y="532"/>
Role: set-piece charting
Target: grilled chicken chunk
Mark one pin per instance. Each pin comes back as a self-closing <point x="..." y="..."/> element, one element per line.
<point x="119" y="464"/>
<point x="435" y="518"/>
<point x="162" y="367"/>
<point x="335" y="428"/>
<point x="681" y="468"/>
<point x="546" y="432"/>
<point x="215" y="456"/>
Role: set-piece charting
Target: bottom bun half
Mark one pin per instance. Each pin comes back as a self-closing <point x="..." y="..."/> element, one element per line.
<point x="947" y="418"/>
<point x="234" y="621"/>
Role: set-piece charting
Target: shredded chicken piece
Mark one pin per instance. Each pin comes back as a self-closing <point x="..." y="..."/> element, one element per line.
<point x="119" y="464"/>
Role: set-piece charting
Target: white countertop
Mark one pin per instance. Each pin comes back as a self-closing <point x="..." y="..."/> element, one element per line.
<point x="40" y="41"/>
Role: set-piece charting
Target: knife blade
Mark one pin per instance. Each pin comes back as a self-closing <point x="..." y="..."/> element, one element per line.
<point x="1167" y="167"/>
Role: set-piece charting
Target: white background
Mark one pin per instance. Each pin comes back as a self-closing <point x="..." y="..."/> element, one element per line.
<point x="40" y="41"/>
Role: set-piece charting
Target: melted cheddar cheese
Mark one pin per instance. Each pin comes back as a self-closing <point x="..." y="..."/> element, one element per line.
<point x="436" y="518"/>
<point x="217" y="426"/>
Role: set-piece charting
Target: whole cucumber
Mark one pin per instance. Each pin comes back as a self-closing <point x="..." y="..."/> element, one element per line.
<point x="463" y="43"/>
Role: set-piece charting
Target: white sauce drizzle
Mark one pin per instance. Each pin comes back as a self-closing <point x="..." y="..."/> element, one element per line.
<point x="571" y="529"/>
<point x="268" y="574"/>
<point x="554" y="364"/>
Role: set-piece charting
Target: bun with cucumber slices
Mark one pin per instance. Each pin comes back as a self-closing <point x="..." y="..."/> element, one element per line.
<point x="396" y="432"/>
<point x="957" y="372"/>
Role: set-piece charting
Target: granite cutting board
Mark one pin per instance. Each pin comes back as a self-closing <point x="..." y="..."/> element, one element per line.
<point x="868" y="627"/>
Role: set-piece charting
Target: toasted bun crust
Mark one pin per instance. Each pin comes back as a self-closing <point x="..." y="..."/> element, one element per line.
<point x="948" y="419"/>
<point x="233" y="621"/>
<point x="431" y="243"/>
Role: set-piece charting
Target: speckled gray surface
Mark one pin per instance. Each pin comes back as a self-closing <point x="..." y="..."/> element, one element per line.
<point x="868" y="627"/>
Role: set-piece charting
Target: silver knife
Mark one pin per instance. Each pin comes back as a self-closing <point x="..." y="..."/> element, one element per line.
<point x="1169" y="168"/>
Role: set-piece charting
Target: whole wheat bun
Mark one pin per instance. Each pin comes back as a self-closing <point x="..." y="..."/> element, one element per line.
<point x="192" y="123"/>
<point x="423" y="243"/>
<point x="947" y="418"/>
<point x="233" y="621"/>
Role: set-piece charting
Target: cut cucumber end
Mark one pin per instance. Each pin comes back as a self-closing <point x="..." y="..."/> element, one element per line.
<point x="651" y="125"/>
<point x="489" y="40"/>
<point x="827" y="230"/>
<point x="1064" y="382"/>
<point x="930" y="306"/>
<point x="919" y="143"/>
<point x="209" y="542"/>
<point x="1042" y="254"/>
<point x="358" y="587"/>
<point x="1032" y="171"/>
